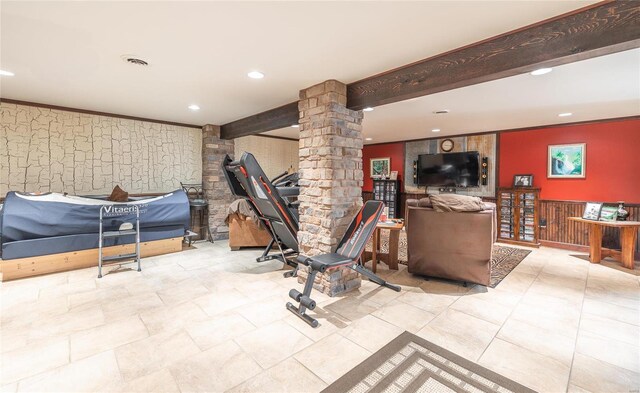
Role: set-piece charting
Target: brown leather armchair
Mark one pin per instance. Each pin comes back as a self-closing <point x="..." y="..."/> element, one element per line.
<point x="452" y="245"/>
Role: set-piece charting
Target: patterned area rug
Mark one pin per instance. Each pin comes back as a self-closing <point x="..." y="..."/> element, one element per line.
<point x="503" y="261"/>
<point x="412" y="364"/>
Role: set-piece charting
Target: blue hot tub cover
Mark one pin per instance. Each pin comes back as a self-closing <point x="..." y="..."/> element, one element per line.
<point x="37" y="220"/>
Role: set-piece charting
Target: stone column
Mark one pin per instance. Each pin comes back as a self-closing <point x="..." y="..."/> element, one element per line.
<point x="330" y="177"/>
<point x="219" y="196"/>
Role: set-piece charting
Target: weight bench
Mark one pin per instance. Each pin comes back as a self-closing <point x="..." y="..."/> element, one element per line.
<point x="348" y="254"/>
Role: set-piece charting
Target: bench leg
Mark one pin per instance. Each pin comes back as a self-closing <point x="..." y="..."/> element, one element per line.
<point x="372" y="277"/>
<point x="304" y="300"/>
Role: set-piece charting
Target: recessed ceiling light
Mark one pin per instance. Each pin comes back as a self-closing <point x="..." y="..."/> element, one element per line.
<point x="565" y="114"/>
<point x="194" y="107"/>
<point x="435" y="130"/>
<point x="368" y="109"/>
<point x="6" y="73"/>
<point x="255" y="75"/>
<point x="295" y="125"/>
<point x="441" y="112"/>
<point x="368" y="139"/>
<point x="541" y="71"/>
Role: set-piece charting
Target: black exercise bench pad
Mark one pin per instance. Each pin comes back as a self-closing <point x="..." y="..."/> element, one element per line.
<point x="325" y="261"/>
<point x="360" y="230"/>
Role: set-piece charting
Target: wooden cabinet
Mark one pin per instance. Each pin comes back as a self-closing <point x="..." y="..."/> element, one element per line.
<point x="388" y="191"/>
<point x="518" y="216"/>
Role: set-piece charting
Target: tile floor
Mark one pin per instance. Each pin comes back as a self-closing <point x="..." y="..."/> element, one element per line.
<point x="209" y="319"/>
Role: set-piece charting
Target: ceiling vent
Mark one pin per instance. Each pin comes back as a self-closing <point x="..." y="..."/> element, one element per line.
<point x="134" y="60"/>
<point x="441" y="112"/>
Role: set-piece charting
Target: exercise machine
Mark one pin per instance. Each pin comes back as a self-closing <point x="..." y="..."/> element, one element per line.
<point x="247" y="180"/>
<point x="348" y="254"/>
<point x="273" y="205"/>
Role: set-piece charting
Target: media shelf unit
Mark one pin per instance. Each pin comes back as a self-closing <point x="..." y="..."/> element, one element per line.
<point x="388" y="191"/>
<point x="518" y="216"/>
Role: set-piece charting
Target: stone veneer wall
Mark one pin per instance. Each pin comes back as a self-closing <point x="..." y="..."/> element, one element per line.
<point x="214" y="183"/>
<point x="44" y="150"/>
<point x="274" y="155"/>
<point x="330" y="177"/>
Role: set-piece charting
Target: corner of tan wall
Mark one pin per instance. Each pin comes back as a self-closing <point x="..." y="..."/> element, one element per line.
<point x="274" y="155"/>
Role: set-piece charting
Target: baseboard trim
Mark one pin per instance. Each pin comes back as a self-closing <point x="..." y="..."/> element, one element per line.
<point x="565" y="246"/>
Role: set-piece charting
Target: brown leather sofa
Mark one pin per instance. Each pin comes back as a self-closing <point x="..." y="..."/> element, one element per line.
<point x="452" y="245"/>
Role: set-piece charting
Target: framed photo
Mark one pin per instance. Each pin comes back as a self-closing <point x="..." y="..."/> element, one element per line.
<point x="609" y="213"/>
<point x="523" y="180"/>
<point x="567" y="161"/>
<point x="592" y="211"/>
<point x="394" y="175"/>
<point x="380" y="167"/>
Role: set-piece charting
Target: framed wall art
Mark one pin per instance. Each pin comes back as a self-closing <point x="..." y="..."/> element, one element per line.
<point x="608" y="213"/>
<point x="380" y="167"/>
<point x="523" y="180"/>
<point x="567" y="161"/>
<point x="592" y="211"/>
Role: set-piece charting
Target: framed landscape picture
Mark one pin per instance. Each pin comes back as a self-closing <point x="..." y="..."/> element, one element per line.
<point x="592" y="211"/>
<point x="380" y="167"/>
<point x="567" y="161"/>
<point x="608" y="213"/>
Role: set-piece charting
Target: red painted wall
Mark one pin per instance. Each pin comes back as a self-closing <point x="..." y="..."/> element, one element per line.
<point x="612" y="165"/>
<point x="393" y="150"/>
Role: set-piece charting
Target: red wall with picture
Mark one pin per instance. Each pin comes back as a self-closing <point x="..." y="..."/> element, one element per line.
<point x="393" y="150"/>
<point x="612" y="160"/>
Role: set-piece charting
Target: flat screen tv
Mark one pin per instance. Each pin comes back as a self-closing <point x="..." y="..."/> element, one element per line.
<point x="449" y="169"/>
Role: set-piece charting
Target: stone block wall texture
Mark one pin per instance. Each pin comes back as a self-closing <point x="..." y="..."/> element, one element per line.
<point x="330" y="177"/>
<point x="274" y="155"/>
<point x="214" y="183"/>
<point x="44" y="150"/>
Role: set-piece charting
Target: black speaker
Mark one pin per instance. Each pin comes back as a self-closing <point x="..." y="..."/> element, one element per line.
<point x="484" y="172"/>
<point x="415" y="172"/>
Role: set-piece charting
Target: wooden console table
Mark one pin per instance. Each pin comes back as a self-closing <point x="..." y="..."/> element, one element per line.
<point x="628" y="236"/>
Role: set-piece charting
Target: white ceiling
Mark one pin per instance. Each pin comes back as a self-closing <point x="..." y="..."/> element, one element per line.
<point x="598" y="88"/>
<point x="68" y="53"/>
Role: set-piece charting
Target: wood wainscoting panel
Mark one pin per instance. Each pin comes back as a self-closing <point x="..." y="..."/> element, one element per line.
<point x="559" y="230"/>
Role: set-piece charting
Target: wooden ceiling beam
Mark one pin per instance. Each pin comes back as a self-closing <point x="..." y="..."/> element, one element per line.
<point x="280" y="117"/>
<point x="596" y="30"/>
<point x="589" y="32"/>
